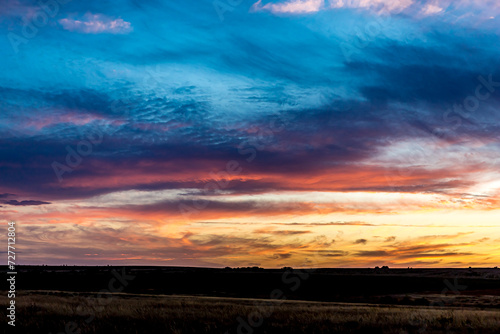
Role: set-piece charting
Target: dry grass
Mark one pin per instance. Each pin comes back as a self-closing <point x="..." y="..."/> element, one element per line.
<point x="41" y="313"/>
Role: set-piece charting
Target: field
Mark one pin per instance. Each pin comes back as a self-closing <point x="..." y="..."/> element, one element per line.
<point x="55" y="312"/>
<point x="106" y="299"/>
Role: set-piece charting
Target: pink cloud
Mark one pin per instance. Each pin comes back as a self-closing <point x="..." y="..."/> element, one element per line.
<point x="415" y="8"/>
<point x="291" y="6"/>
<point x="96" y="24"/>
<point x="380" y="6"/>
<point x="70" y="117"/>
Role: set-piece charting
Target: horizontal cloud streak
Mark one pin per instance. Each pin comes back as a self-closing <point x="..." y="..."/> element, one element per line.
<point x="96" y="24"/>
<point x="418" y="9"/>
<point x="290" y="6"/>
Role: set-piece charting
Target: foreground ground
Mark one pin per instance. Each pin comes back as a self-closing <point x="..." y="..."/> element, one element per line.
<point x="66" y="300"/>
<point x="69" y="312"/>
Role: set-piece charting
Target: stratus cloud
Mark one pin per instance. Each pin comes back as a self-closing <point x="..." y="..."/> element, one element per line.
<point x="24" y="203"/>
<point x="291" y="6"/>
<point x="311" y="6"/>
<point x="379" y="6"/>
<point x="96" y="24"/>
<point x="421" y="8"/>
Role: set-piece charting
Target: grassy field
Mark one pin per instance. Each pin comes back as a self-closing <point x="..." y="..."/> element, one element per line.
<point x="63" y="312"/>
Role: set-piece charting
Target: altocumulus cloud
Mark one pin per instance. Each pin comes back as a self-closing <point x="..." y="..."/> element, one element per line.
<point x="96" y="24"/>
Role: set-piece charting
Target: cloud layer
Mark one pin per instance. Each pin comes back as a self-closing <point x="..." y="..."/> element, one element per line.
<point x="416" y="8"/>
<point x="350" y="133"/>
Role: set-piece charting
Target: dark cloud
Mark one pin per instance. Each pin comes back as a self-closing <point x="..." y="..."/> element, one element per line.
<point x="360" y="241"/>
<point x="331" y="253"/>
<point x="413" y="250"/>
<point x="24" y="203"/>
<point x="282" y="256"/>
<point x="239" y="243"/>
<point x="440" y="254"/>
<point x="373" y="253"/>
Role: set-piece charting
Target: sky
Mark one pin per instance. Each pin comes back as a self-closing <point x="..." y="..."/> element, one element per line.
<point x="303" y="133"/>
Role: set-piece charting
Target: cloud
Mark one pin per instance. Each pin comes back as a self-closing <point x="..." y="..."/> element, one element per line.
<point x="312" y="6"/>
<point x="290" y="6"/>
<point x="281" y="256"/>
<point x="360" y="241"/>
<point x="377" y="253"/>
<point x="96" y="24"/>
<point x="433" y="255"/>
<point x="322" y="241"/>
<point x="24" y="203"/>
<point x="280" y="232"/>
<point x="176" y="102"/>
<point x="416" y="251"/>
<point x="331" y="253"/>
<point x="444" y="236"/>
<point x="417" y="9"/>
<point x="431" y="9"/>
<point x="379" y="6"/>
<point x="355" y="223"/>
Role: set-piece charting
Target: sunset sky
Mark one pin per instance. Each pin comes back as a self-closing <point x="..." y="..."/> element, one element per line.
<point x="303" y="133"/>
